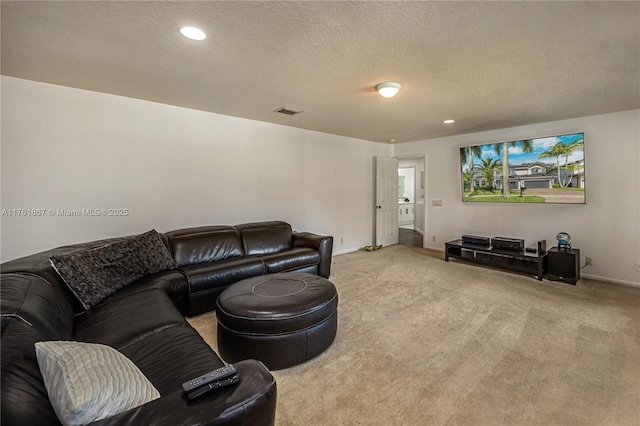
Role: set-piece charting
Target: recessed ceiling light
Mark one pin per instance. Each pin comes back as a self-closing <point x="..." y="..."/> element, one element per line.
<point x="388" y="89"/>
<point x="449" y="121"/>
<point x="193" y="33"/>
<point x="392" y="140"/>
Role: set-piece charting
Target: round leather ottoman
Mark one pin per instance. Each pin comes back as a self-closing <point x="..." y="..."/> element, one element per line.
<point x="280" y="319"/>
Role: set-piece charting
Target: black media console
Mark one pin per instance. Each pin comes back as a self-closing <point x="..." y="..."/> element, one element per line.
<point x="512" y="260"/>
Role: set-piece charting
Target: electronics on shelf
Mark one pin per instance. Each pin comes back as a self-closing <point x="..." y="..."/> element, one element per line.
<point x="518" y="260"/>
<point x="473" y="239"/>
<point x="504" y="243"/>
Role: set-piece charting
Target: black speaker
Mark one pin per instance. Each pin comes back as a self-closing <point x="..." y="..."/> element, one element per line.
<point x="563" y="265"/>
<point x="504" y="243"/>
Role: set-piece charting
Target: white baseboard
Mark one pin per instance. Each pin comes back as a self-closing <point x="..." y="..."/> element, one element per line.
<point x="345" y="251"/>
<point x="610" y="280"/>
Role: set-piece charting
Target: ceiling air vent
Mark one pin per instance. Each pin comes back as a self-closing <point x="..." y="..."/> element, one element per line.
<point x="288" y="111"/>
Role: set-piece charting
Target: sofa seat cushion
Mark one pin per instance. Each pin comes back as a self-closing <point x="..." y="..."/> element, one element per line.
<point x="250" y="402"/>
<point x="172" y="356"/>
<point x="205" y="276"/>
<point x="126" y="316"/>
<point x="173" y="282"/>
<point x="290" y="260"/>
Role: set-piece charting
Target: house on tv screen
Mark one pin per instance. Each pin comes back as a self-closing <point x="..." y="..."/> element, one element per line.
<point x="534" y="175"/>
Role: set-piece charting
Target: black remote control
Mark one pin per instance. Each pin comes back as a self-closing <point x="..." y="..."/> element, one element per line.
<point x="213" y="386"/>
<point x="212" y="376"/>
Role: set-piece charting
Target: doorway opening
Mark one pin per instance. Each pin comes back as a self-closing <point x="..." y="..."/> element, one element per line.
<point x="411" y="201"/>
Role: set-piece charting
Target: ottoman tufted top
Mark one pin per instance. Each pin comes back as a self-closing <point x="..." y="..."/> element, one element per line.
<point x="277" y="303"/>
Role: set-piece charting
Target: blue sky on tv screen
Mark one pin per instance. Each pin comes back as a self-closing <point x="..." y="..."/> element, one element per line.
<point x="518" y="156"/>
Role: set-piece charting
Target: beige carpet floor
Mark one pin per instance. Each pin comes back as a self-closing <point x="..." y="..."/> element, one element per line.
<point x="425" y="342"/>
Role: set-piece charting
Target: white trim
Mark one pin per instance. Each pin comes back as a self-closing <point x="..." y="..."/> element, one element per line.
<point x="610" y="280"/>
<point x="345" y="251"/>
<point x="435" y="248"/>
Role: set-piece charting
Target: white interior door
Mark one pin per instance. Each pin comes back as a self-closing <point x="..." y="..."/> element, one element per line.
<point x="386" y="201"/>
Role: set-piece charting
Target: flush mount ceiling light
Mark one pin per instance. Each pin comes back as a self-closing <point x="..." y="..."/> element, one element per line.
<point x="449" y="121"/>
<point x="388" y="89"/>
<point x="193" y="33"/>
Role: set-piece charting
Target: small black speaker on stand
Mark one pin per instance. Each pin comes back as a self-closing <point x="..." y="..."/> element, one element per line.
<point x="563" y="265"/>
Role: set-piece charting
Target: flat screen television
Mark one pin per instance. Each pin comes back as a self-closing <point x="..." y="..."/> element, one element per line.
<point x="539" y="170"/>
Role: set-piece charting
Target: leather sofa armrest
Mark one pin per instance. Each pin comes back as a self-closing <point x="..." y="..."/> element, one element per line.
<point x="322" y="243"/>
<point x="252" y="401"/>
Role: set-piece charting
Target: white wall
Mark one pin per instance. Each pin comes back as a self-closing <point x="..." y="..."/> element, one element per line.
<point x="171" y="167"/>
<point x="606" y="228"/>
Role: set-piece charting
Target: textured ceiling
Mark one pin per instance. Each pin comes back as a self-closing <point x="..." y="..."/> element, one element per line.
<point x="487" y="65"/>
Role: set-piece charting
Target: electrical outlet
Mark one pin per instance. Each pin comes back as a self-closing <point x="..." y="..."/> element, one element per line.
<point x="588" y="261"/>
<point x="436" y="203"/>
<point x="433" y="239"/>
<point x="341" y="240"/>
<point x="638" y="267"/>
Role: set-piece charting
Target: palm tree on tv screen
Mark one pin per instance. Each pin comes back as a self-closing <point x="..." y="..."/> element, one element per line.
<point x="467" y="153"/>
<point x="467" y="175"/>
<point x="503" y="148"/>
<point x="576" y="145"/>
<point x="556" y="151"/>
<point x="488" y="168"/>
<point x="563" y="150"/>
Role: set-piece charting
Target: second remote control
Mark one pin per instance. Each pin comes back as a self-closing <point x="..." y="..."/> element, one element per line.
<point x="212" y="376"/>
<point x="219" y="384"/>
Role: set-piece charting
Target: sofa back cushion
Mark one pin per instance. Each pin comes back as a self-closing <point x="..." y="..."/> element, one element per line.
<point x="93" y="274"/>
<point x="192" y="246"/>
<point x="33" y="310"/>
<point x="40" y="264"/>
<point x="265" y="237"/>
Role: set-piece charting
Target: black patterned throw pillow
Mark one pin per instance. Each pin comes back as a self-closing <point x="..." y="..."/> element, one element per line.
<point x="94" y="274"/>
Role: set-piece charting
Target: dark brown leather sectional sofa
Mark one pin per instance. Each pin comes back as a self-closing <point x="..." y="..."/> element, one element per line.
<point x="145" y="321"/>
